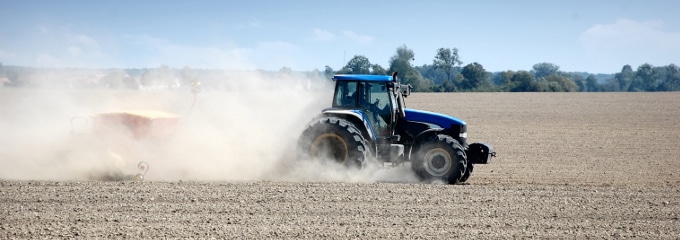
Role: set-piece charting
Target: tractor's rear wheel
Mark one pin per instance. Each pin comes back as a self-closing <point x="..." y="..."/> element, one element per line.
<point x="440" y="158"/>
<point x="334" y="139"/>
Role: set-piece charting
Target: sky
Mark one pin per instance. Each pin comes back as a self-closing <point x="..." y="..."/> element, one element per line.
<point x="595" y="36"/>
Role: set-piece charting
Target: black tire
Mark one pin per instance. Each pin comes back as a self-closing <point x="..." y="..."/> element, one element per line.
<point x="335" y="139"/>
<point x="440" y="158"/>
<point x="468" y="172"/>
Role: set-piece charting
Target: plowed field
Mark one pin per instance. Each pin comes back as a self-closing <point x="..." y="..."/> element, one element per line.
<point x="569" y="165"/>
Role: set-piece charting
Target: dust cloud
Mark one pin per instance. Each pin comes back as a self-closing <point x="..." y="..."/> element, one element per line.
<point x="246" y="132"/>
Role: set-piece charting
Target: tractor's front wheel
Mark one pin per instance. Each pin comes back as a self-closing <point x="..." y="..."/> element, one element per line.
<point x="468" y="172"/>
<point x="440" y="158"/>
<point x="334" y="139"/>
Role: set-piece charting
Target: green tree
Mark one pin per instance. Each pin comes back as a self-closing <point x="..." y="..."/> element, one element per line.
<point x="446" y="59"/>
<point x="448" y="86"/>
<point x="544" y="69"/>
<point x="504" y="79"/>
<point x="474" y="76"/>
<point x="357" y="65"/>
<point x="428" y="71"/>
<point x="376" y="69"/>
<point x="558" y="83"/>
<point x="500" y="78"/>
<point x="591" y="84"/>
<point x="580" y="81"/>
<point x="625" y="78"/>
<point x="401" y="63"/>
<point x="671" y="78"/>
<point x="611" y="85"/>
<point x="523" y="81"/>
<point x="645" y="78"/>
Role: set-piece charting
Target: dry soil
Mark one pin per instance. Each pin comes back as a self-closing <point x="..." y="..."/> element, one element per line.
<point x="569" y="165"/>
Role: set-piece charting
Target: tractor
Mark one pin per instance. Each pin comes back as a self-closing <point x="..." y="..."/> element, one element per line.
<point x="368" y="121"/>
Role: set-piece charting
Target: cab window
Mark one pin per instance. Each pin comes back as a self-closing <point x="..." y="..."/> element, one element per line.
<point x="345" y="95"/>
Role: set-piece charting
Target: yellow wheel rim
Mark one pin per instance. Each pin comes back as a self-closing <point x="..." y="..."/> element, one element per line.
<point x="330" y="145"/>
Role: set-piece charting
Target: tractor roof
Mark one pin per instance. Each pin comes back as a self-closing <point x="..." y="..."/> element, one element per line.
<point x="362" y="77"/>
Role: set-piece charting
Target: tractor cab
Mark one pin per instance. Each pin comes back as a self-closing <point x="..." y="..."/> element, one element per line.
<point x="379" y="98"/>
<point x="373" y="99"/>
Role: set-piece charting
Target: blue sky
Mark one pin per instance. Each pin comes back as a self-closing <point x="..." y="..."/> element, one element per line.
<point x="593" y="36"/>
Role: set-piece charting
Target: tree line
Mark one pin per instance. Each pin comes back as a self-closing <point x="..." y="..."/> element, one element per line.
<point x="446" y="74"/>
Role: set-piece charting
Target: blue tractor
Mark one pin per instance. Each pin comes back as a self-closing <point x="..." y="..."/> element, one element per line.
<point x="368" y="121"/>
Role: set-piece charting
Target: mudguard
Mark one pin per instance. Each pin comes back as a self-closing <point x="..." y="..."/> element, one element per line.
<point x="358" y="118"/>
<point x="421" y="137"/>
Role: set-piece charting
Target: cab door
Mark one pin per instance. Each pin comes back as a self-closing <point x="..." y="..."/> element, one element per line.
<point x="375" y="101"/>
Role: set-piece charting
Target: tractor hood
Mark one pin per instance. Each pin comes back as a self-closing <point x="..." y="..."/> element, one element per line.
<point x="441" y="120"/>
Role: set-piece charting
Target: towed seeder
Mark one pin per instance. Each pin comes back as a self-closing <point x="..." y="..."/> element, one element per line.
<point x="120" y="136"/>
